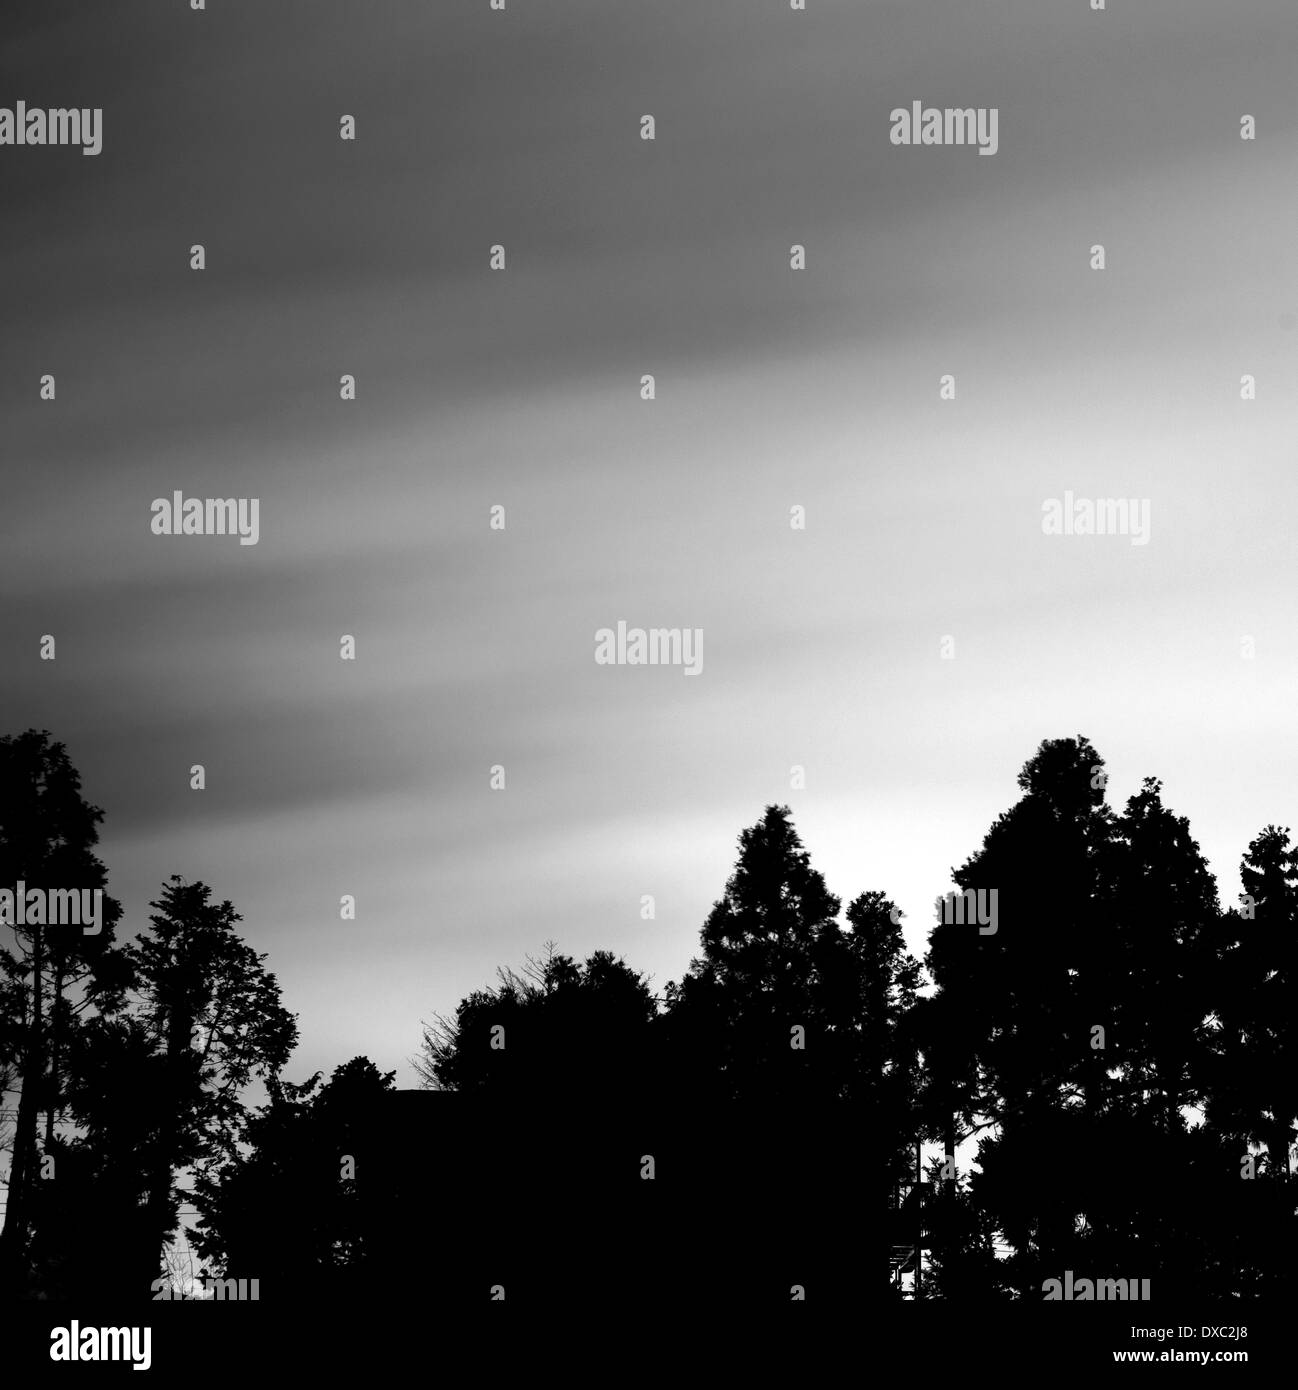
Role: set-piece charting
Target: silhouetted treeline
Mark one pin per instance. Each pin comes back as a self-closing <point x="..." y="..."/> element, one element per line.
<point x="1092" y="1070"/>
<point x="129" y="1058"/>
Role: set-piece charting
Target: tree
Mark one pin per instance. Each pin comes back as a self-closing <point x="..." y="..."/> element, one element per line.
<point x="291" y="1210"/>
<point x="733" y="1017"/>
<point x="1164" y="930"/>
<point x="1088" y="1020"/>
<point x="55" y="972"/>
<point x="1251" y="1086"/>
<point x="1006" y="1035"/>
<point x="214" y="1022"/>
<point x="1261" y="1016"/>
<point x="93" y="1209"/>
<point x="788" y="1013"/>
<point x="867" y="987"/>
<point x="556" y="1028"/>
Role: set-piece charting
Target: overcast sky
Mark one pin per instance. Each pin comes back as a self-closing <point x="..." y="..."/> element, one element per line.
<point x="521" y="388"/>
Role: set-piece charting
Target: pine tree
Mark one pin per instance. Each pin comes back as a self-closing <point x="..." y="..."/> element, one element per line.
<point x="1005" y="1037"/>
<point x="55" y="972"/>
<point x="733" y="1017"/>
<point x="215" y="1021"/>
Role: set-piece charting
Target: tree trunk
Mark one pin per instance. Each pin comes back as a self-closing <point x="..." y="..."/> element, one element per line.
<point x="52" y="1099"/>
<point x="14" y="1234"/>
<point x="157" y="1222"/>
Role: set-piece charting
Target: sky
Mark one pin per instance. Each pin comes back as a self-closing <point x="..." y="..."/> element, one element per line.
<point x="521" y="388"/>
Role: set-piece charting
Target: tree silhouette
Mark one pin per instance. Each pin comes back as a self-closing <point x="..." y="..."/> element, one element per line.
<point x="733" y="1017"/>
<point x="866" y="991"/>
<point x="1262" y="1015"/>
<point x="98" y="1198"/>
<point x="215" y="1015"/>
<point x="1164" y="915"/>
<point x="555" y="1028"/>
<point x="290" y="1211"/>
<point x="1251" y="1088"/>
<point x="54" y="971"/>
<point x="1122" y="1050"/>
<point x="1006" y="1035"/>
<point x="789" y="1012"/>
